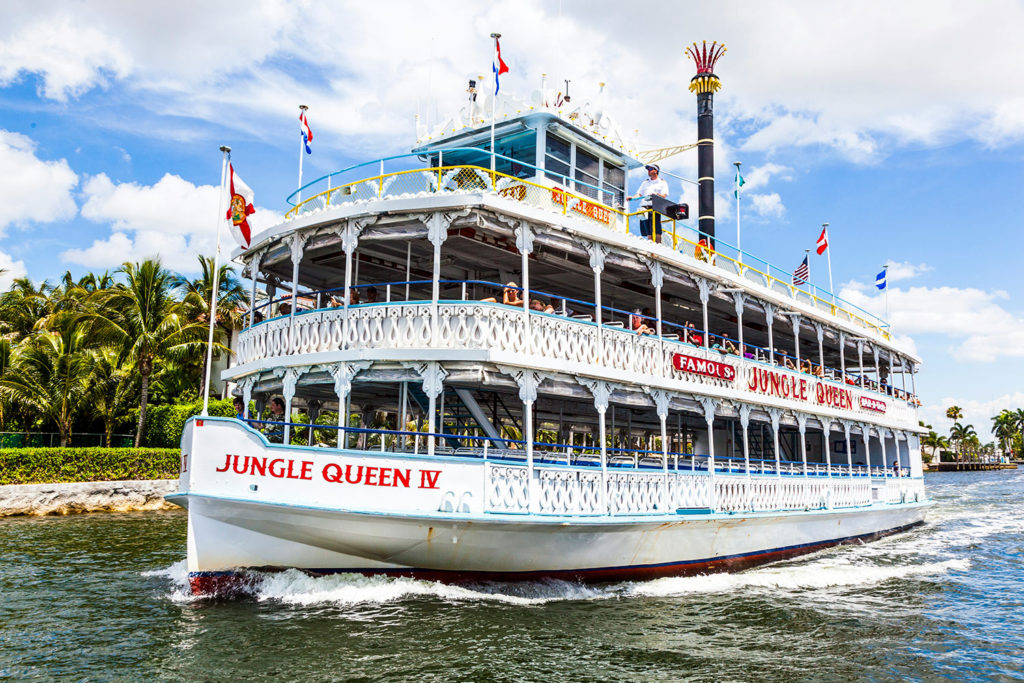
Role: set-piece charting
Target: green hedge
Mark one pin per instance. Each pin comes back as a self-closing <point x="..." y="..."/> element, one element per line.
<point x="164" y="423"/>
<point x="58" y="465"/>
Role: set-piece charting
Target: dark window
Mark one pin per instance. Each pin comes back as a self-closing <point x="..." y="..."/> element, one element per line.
<point x="587" y="169"/>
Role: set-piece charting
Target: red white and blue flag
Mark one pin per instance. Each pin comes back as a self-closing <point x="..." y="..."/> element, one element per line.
<point x="307" y="132"/>
<point x="802" y="273"/>
<point x="498" y="66"/>
<point x="240" y="208"/>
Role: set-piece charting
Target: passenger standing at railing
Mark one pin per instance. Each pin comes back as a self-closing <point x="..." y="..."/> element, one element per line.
<point x="275" y="432"/>
<point x="650" y="224"/>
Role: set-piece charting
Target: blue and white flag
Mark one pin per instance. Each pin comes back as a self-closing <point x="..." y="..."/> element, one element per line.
<point x="307" y="132"/>
<point x="880" y="280"/>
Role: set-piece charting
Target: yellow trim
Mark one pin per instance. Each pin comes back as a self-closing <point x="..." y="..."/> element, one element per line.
<point x="707" y="177"/>
<point x="378" y="180"/>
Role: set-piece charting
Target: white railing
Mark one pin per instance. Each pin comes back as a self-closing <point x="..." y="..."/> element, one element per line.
<point x="566" y="491"/>
<point x="478" y="325"/>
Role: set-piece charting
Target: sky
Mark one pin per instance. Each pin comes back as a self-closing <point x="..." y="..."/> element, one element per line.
<point x="899" y="124"/>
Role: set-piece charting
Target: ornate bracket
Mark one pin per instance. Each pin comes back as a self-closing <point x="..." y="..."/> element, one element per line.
<point x="433" y="376"/>
<point x="437" y="225"/>
<point x="598" y="253"/>
<point x="801" y="423"/>
<point x="745" y="409"/>
<point x="709" y="405"/>
<point x="297" y="243"/>
<point x="776" y="416"/>
<point x="600" y="390"/>
<point x="739" y="300"/>
<point x="657" y="272"/>
<point x="343" y="374"/>
<point x="821" y="332"/>
<point x="704" y="287"/>
<point x="289" y="378"/>
<point x="661" y="400"/>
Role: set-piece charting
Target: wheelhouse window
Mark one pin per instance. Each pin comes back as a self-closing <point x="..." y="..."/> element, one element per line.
<point x="517" y="155"/>
<point x="557" y="158"/>
<point x="588" y="174"/>
<point x="614" y="185"/>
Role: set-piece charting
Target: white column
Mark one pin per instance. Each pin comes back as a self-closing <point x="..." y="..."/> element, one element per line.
<point x="849" y="451"/>
<point x="528" y="380"/>
<point x="826" y="430"/>
<point x="745" y="424"/>
<point x="433" y="384"/>
<point x="821" y="345"/>
<point x="709" y="404"/>
<point x="842" y="356"/>
<point x="776" y="415"/>
<point x="598" y="253"/>
<point x="601" y="392"/>
<point x="343" y="373"/>
<point x="865" y="432"/>
<point x="769" y="314"/>
<point x="288" y="382"/>
<point x="795" y="319"/>
<point x="801" y="425"/>
<point x="524" y="243"/>
<point x="437" y="232"/>
<point x="860" y="362"/>
<point x="657" y="281"/>
<point x="739" y="302"/>
<point x="885" y="460"/>
<point x="297" y="242"/>
<point x="704" y="288"/>
<point x="254" y="274"/>
<point x="247" y="384"/>
<point x="661" y="402"/>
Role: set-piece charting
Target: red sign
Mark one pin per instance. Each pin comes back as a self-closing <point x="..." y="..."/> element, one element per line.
<point x="868" y="403"/>
<point x="360" y="475"/>
<point x="702" y="366"/>
<point x="588" y="209"/>
<point x="778" y="384"/>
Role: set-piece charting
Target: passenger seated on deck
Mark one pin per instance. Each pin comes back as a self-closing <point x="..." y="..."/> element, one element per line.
<point x="371" y="295"/>
<point x="353" y="296"/>
<point x="819" y="372"/>
<point x="896" y="468"/>
<point x="284" y="308"/>
<point x="275" y="432"/>
<point x="789" y="363"/>
<point x="731" y="348"/>
<point x="509" y="295"/>
<point x="637" y="323"/>
<point x="239" y="408"/>
<point x="538" y="305"/>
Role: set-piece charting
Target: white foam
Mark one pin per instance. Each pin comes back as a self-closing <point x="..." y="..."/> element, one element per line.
<point x="295" y="588"/>
<point x="818" y="574"/>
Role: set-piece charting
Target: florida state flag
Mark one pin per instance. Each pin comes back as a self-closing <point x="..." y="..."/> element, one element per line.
<point x="240" y="207"/>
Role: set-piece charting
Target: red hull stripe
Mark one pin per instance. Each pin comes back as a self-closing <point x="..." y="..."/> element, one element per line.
<point x="235" y="583"/>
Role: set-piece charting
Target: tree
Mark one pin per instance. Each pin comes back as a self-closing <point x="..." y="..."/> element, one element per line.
<point x="231" y="302"/>
<point x="954" y="413"/>
<point x="111" y="390"/>
<point x="50" y="374"/>
<point x="960" y="434"/>
<point x="143" y="320"/>
<point x="1004" y="426"/>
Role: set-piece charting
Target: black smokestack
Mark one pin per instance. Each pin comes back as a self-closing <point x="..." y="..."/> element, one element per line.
<point x="705" y="83"/>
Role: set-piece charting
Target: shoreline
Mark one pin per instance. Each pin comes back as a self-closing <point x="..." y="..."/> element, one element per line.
<point x="81" y="497"/>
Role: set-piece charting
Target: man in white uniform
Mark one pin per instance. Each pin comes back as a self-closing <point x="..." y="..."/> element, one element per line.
<point x="650" y="224"/>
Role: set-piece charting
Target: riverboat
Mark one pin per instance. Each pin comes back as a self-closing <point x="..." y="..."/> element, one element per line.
<point x="488" y="373"/>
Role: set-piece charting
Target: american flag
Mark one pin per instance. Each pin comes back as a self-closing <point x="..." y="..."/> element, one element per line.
<point x="802" y="273"/>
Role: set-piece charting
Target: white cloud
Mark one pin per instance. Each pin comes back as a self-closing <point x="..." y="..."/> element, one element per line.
<point x="32" y="190"/>
<point x="11" y="271"/>
<point x="759" y="176"/>
<point x="71" y="58"/>
<point x="976" y="412"/>
<point x="980" y="328"/>
<point x="768" y="204"/>
<point x="905" y="270"/>
<point x="172" y="219"/>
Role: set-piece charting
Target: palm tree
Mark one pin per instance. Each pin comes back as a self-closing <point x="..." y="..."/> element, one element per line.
<point x="959" y="434"/>
<point x="1004" y="426"/>
<point x="142" y="319"/>
<point x="50" y="374"/>
<point x="23" y="306"/>
<point x="231" y="303"/>
<point x="112" y="389"/>
<point x="954" y="413"/>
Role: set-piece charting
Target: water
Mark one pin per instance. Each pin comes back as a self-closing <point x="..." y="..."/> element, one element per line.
<point x="104" y="597"/>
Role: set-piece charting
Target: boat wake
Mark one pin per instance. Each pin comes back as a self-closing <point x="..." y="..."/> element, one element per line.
<point x="907" y="558"/>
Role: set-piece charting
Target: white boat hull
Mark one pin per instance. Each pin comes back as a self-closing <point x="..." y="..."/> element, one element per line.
<point x="321" y="526"/>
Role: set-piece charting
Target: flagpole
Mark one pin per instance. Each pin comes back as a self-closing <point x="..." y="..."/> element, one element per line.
<point x="739" y="250"/>
<point x="226" y="151"/>
<point x="807" y="258"/>
<point x="494" y="98"/>
<point x="828" y="254"/>
<point x="885" y="269"/>
<point x="302" y="145"/>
